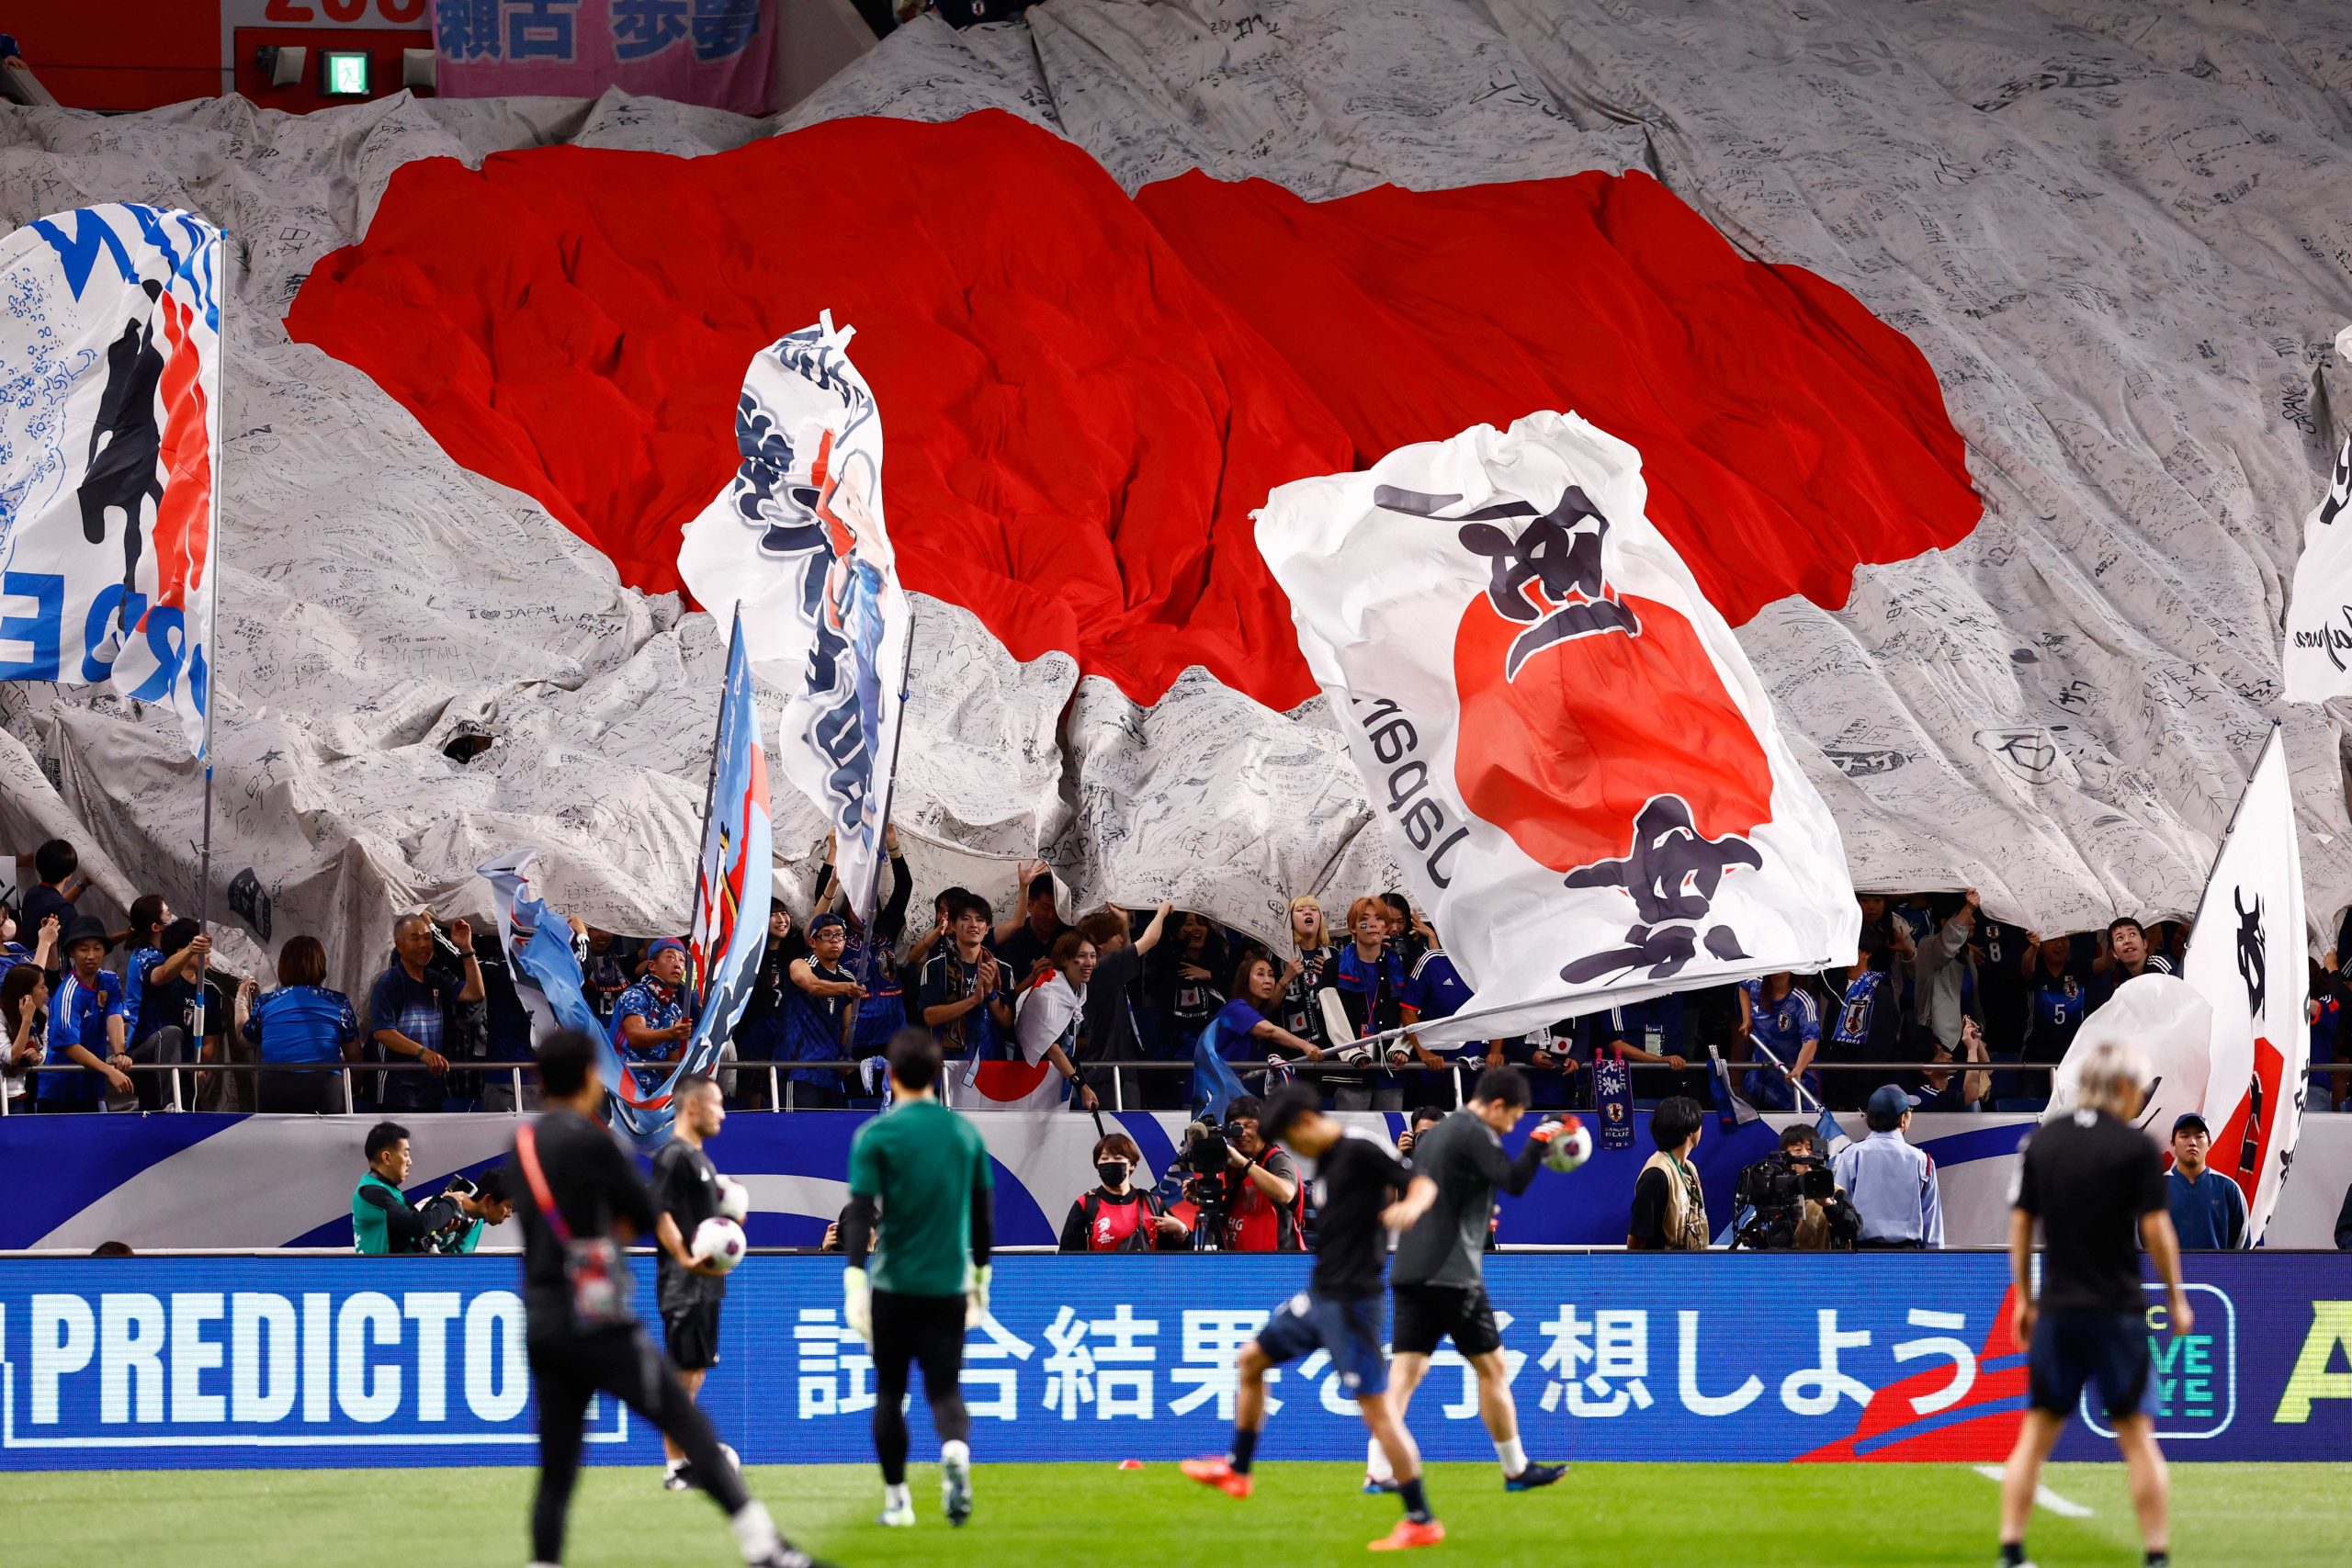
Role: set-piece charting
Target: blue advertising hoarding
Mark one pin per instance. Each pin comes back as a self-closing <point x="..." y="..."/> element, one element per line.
<point x="316" y="1361"/>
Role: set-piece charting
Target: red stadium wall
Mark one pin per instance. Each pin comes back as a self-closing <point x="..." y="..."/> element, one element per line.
<point x="119" y="54"/>
<point x="143" y="54"/>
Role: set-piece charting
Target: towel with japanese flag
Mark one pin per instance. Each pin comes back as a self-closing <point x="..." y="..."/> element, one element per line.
<point x="1572" y="758"/>
<point x="1046" y="1013"/>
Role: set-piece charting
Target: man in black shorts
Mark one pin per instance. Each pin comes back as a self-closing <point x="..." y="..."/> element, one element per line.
<point x="1439" y="1274"/>
<point x="685" y="1193"/>
<point x="1356" y="1179"/>
<point x="584" y="1204"/>
<point x="2093" y="1179"/>
<point x="922" y="1202"/>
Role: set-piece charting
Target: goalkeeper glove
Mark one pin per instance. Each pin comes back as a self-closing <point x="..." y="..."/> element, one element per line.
<point x="857" y="1304"/>
<point x="1565" y="1142"/>
<point x="975" y="1298"/>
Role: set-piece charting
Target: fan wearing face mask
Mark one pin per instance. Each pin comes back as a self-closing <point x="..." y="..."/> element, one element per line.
<point x="1119" y="1217"/>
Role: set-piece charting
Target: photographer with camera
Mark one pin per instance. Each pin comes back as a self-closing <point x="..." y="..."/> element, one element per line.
<point x="1119" y="1217"/>
<point x="383" y="1222"/>
<point x="1248" y="1191"/>
<point x="1792" y="1201"/>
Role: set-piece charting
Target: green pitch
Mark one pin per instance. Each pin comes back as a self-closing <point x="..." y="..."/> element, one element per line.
<point x="1084" y="1516"/>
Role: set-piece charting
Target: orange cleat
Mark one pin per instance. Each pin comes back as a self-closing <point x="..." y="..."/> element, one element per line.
<point x="1409" y="1535"/>
<point x="1216" y="1473"/>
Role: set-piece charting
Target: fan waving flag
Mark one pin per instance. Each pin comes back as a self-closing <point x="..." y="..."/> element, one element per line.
<point x="733" y="888"/>
<point x="795" y="544"/>
<point x="110" y="437"/>
<point x="1574" y="762"/>
<point x="2246" y="958"/>
<point x="722" y="958"/>
<point x="545" y="963"/>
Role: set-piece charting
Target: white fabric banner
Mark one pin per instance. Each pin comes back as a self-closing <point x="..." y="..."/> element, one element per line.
<point x="2318" y="654"/>
<point x="796" y="545"/>
<point x="2057" y="711"/>
<point x="109" y="444"/>
<point x="1573" y="763"/>
<point x="2246" y="958"/>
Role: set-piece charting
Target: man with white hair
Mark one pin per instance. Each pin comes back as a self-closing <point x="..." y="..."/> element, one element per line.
<point x="2096" y="1184"/>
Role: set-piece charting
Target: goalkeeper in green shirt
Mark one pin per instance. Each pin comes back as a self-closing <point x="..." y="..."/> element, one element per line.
<point x="919" y="1174"/>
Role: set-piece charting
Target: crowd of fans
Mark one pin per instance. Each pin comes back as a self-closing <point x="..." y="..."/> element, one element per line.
<point x="1116" y="1003"/>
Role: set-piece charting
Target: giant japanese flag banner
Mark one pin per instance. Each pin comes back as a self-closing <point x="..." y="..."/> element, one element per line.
<point x="797" y="546"/>
<point x="110" y="437"/>
<point x="2318" y="655"/>
<point x="2246" y="958"/>
<point x="1572" y="760"/>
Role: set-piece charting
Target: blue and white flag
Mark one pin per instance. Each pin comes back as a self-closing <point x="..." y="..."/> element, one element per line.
<point x="543" y="958"/>
<point x="110" y="454"/>
<point x="733" y="888"/>
<point x="1833" y="1136"/>
<point x="1731" y="1109"/>
<point x="797" y="546"/>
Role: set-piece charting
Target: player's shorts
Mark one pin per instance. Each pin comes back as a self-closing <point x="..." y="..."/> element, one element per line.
<point x="2108" y="1350"/>
<point x="690" y="1335"/>
<point x="1348" y="1328"/>
<point x="1428" y="1314"/>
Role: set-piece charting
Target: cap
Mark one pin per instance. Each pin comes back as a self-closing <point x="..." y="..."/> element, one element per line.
<point x="828" y="922"/>
<point x="662" y="944"/>
<point x="2190" y="1118"/>
<point x="1887" y="1107"/>
<point x="85" y="928"/>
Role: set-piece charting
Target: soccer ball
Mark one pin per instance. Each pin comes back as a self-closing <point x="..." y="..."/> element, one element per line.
<point x="734" y="1198"/>
<point x="720" y="1240"/>
<point x="1570" y="1147"/>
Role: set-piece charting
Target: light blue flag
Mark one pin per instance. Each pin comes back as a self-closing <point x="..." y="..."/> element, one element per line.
<point x="1215" y="1083"/>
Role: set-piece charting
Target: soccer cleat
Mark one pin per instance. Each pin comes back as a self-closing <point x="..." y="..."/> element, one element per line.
<point x="787" y="1556"/>
<point x="1409" y="1535"/>
<point x="1218" y="1474"/>
<point x="955" y="1490"/>
<point x="1534" y="1476"/>
<point x="1375" y="1487"/>
<point x="678" y="1478"/>
<point x="898" y="1518"/>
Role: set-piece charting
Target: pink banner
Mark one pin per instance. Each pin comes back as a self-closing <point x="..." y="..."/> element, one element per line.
<point x="716" y="52"/>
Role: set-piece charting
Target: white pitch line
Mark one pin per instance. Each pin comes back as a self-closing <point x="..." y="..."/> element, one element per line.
<point x="2064" y="1508"/>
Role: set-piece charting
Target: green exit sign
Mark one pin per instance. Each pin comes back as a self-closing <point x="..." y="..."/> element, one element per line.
<point x="346" y="74"/>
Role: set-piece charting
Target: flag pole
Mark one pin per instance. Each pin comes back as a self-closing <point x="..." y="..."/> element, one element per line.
<point x="208" y="648"/>
<point x="710" y="804"/>
<point x="873" y="898"/>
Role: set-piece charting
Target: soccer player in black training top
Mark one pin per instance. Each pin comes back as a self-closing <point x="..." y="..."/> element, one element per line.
<point x="685" y="1193"/>
<point x="584" y="1202"/>
<point x="1355" y="1178"/>
<point x="2097" y="1183"/>
<point x="1439" y="1273"/>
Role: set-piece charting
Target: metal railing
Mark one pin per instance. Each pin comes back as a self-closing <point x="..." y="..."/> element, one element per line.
<point x="781" y="1085"/>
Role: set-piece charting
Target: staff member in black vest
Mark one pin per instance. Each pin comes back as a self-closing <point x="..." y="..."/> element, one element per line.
<point x="581" y="1336"/>
<point x="2097" y="1183"/>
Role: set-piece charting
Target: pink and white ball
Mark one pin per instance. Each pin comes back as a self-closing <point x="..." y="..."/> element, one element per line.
<point x="734" y="1198"/>
<point x="720" y="1240"/>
